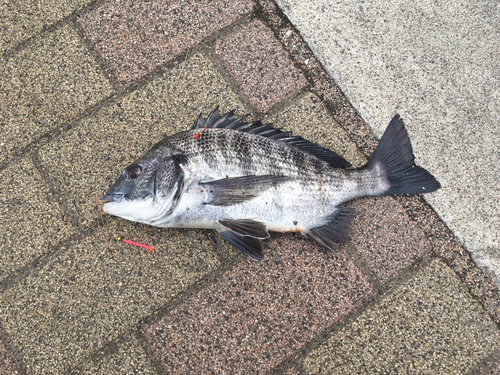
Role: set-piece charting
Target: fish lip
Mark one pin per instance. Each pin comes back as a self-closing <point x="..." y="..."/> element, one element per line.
<point x="112" y="198"/>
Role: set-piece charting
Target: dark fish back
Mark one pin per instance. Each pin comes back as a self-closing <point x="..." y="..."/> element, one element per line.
<point x="252" y="154"/>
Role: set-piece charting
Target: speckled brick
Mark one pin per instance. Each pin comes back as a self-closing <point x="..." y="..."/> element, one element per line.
<point x="260" y="65"/>
<point x="291" y="371"/>
<point x="7" y="363"/>
<point x="492" y="367"/>
<point x="136" y="38"/>
<point x="428" y="325"/>
<point x="259" y="313"/>
<point x="94" y="291"/>
<point x="31" y="222"/>
<point x="308" y="117"/>
<point x="126" y="356"/>
<point x="386" y="237"/>
<point x="46" y="85"/>
<point x="23" y="19"/>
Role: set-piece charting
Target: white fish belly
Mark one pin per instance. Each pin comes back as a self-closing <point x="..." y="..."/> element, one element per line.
<point x="290" y="207"/>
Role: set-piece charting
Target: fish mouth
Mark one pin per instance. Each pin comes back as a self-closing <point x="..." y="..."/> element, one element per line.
<point x="112" y="198"/>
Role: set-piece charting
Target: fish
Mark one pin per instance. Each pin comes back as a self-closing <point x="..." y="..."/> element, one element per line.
<point x="246" y="179"/>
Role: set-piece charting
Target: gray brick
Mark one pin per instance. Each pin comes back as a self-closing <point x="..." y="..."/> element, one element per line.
<point x="45" y="86"/>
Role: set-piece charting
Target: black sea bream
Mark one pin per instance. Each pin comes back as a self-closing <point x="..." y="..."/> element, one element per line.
<point x="245" y="179"/>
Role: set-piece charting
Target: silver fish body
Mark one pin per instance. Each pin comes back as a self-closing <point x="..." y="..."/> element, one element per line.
<point x="247" y="179"/>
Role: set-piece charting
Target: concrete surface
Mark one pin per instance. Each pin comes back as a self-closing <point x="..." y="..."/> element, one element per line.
<point x="437" y="65"/>
<point x="86" y="91"/>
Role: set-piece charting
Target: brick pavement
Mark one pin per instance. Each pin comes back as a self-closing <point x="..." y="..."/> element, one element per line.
<point x="86" y="90"/>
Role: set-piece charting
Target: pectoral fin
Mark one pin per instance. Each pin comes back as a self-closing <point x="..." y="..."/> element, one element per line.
<point x="335" y="231"/>
<point x="247" y="245"/>
<point x="229" y="191"/>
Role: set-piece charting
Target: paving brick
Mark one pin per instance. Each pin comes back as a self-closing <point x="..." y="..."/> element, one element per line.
<point x="308" y="117"/>
<point x="429" y="325"/>
<point x="257" y="314"/>
<point x="493" y="368"/>
<point x="136" y="38"/>
<point x="92" y="293"/>
<point x="23" y="19"/>
<point x="7" y="363"/>
<point x="260" y="65"/>
<point x="45" y="86"/>
<point x="124" y="357"/>
<point x="31" y="223"/>
<point x="386" y="237"/>
<point x="88" y="159"/>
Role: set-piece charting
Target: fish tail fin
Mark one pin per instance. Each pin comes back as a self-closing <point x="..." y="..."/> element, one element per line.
<point x="394" y="160"/>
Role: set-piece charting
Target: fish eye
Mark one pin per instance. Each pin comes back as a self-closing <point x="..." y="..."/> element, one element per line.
<point x="134" y="172"/>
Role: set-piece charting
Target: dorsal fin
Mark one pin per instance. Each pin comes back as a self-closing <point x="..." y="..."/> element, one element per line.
<point x="199" y="122"/>
<point x="215" y="120"/>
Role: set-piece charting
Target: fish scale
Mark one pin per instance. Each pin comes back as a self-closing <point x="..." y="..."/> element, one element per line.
<point x="261" y="156"/>
<point x="245" y="179"/>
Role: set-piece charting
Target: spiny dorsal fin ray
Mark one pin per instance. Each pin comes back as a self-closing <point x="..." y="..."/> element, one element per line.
<point x="213" y="117"/>
<point x="225" y="120"/>
<point x="236" y="124"/>
<point x="215" y="120"/>
<point x="200" y="122"/>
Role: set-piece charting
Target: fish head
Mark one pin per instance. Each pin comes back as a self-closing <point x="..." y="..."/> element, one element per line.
<point x="146" y="191"/>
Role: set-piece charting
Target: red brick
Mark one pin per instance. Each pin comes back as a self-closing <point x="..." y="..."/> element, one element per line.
<point x="136" y="38"/>
<point x="7" y="363"/>
<point x="258" y="313"/>
<point x="492" y="367"/>
<point x="260" y="65"/>
<point x="386" y="237"/>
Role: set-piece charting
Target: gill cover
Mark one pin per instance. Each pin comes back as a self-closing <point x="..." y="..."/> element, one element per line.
<point x="146" y="191"/>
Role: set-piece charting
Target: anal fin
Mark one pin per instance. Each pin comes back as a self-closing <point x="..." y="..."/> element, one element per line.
<point x="335" y="231"/>
<point x="247" y="245"/>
